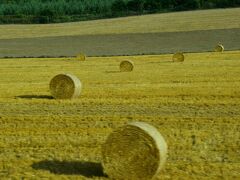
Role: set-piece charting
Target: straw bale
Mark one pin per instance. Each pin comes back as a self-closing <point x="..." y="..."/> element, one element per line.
<point x="81" y="57"/>
<point x="178" y="57"/>
<point x="126" y="66"/>
<point x="65" y="86"/>
<point x="219" y="48"/>
<point x="135" y="151"/>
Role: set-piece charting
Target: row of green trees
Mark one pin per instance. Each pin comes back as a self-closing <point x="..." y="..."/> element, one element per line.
<point x="47" y="11"/>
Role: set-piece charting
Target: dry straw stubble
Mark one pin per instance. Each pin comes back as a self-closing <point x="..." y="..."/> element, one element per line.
<point x="135" y="151"/>
<point x="126" y="66"/>
<point x="178" y="57"/>
<point x="65" y="86"/>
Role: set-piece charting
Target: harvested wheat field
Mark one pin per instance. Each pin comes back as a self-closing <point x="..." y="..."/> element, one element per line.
<point x="194" y="104"/>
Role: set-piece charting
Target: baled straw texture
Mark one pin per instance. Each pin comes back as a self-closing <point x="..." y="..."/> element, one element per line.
<point x="65" y="86"/>
<point x="219" y="48"/>
<point x="178" y="57"/>
<point x="136" y="151"/>
<point x="126" y="66"/>
<point x="81" y="57"/>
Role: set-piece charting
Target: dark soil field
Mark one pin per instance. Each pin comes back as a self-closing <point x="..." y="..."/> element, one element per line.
<point x="121" y="44"/>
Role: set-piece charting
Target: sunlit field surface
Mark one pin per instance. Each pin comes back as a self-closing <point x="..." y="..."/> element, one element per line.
<point x="195" y="105"/>
<point x="166" y="22"/>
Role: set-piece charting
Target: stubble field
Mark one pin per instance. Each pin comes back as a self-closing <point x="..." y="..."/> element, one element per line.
<point x="194" y="104"/>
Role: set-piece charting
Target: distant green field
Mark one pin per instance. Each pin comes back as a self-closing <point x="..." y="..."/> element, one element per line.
<point x="57" y="11"/>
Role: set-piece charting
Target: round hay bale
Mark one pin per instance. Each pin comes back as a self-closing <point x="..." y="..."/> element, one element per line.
<point x="126" y="66"/>
<point x="134" y="151"/>
<point x="219" y="48"/>
<point x="81" y="57"/>
<point x="65" y="86"/>
<point x="178" y="57"/>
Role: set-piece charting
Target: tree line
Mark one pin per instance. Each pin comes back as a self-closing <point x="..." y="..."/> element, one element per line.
<point x="54" y="11"/>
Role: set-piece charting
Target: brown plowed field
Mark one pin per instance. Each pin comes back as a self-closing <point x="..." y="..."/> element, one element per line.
<point x="121" y="44"/>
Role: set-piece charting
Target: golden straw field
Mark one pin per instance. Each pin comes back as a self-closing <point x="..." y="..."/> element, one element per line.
<point x="195" y="105"/>
<point x="154" y="23"/>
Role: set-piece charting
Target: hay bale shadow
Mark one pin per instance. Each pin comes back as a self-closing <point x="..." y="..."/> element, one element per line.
<point x="112" y="71"/>
<point x="160" y="62"/>
<point x="34" y="97"/>
<point x="87" y="169"/>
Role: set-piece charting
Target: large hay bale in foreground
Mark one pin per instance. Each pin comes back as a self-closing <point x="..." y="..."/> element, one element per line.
<point x="219" y="48"/>
<point x="65" y="86"/>
<point x="135" y="151"/>
<point x="178" y="57"/>
<point x="81" y="57"/>
<point x="126" y="66"/>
